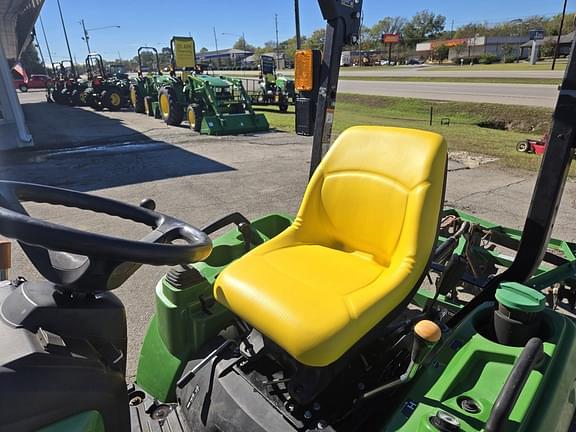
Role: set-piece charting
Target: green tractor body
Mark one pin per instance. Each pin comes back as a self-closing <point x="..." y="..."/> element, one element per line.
<point x="463" y="377"/>
<point x="221" y="106"/>
<point x="280" y="323"/>
<point x="271" y="88"/>
<point x="213" y="105"/>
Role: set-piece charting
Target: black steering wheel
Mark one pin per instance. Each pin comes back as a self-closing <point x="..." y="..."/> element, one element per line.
<point x="81" y="261"/>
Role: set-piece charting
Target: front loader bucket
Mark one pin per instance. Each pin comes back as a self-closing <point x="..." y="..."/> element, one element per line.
<point x="231" y="124"/>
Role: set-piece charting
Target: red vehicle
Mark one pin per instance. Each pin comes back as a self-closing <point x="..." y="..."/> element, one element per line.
<point x="33" y="82"/>
<point x="532" y="145"/>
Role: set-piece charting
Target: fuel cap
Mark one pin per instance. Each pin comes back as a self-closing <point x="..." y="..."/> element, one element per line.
<point x="445" y="422"/>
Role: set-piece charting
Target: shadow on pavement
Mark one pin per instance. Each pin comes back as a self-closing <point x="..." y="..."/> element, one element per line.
<point x="91" y="168"/>
<point x="59" y="126"/>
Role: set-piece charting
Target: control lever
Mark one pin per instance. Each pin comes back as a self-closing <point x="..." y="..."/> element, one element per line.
<point x="450" y="278"/>
<point x="426" y="334"/>
<point x="185" y="379"/>
<point x="240" y="221"/>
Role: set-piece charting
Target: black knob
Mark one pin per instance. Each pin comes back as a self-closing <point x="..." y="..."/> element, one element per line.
<point x="148" y="203"/>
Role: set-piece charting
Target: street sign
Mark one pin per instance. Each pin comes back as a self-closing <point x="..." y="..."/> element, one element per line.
<point x="390" y="38"/>
<point x="267" y="65"/>
<point x="536" y="34"/>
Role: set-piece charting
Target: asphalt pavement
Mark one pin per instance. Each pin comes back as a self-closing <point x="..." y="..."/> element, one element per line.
<point x="539" y="95"/>
<point x="428" y="71"/>
<point x="198" y="179"/>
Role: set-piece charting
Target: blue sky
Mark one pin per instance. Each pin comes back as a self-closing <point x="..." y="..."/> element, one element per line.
<point x="143" y="23"/>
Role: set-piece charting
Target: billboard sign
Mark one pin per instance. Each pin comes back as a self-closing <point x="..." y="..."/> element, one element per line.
<point x="390" y="38"/>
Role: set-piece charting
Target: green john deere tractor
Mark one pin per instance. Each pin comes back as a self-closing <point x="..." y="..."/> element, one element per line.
<point x="104" y="91"/>
<point x="213" y="105"/>
<point x="309" y="323"/>
<point x="271" y="88"/>
<point x="144" y="90"/>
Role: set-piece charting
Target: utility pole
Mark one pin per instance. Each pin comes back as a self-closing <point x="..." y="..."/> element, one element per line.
<point x="216" y="42"/>
<point x="557" y="48"/>
<point x="47" y="46"/>
<point x="452" y="30"/>
<point x="72" y="66"/>
<point x="297" y="17"/>
<point x="86" y="37"/>
<point x="277" y="44"/>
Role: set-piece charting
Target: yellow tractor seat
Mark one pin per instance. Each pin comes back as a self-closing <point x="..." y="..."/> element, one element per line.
<point x="360" y="244"/>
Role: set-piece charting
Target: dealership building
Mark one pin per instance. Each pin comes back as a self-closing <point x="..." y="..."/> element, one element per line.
<point x="474" y="46"/>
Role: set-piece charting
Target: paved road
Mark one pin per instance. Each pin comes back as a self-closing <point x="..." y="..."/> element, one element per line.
<point x="540" y="95"/>
<point x="511" y="94"/>
<point x="419" y="71"/>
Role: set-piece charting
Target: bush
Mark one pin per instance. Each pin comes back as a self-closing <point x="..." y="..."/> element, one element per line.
<point x="488" y="58"/>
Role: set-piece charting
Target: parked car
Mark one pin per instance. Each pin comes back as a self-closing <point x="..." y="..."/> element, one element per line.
<point x="387" y="63"/>
<point x="413" y="61"/>
<point x="34" y="82"/>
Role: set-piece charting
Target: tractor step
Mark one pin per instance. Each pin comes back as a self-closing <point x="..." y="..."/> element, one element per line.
<point x="149" y="415"/>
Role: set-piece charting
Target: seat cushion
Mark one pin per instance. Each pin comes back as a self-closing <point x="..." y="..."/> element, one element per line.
<point x="310" y="299"/>
<point x="359" y="245"/>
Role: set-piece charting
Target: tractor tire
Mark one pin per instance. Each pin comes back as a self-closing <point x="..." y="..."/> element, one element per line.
<point x="23" y="88"/>
<point x="60" y="97"/>
<point x="75" y="98"/>
<point x="148" y="106"/>
<point x="283" y="106"/>
<point x="523" y="147"/>
<point x="69" y="99"/>
<point x="112" y="99"/>
<point x="194" y="116"/>
<point x="84" y="98"/>
<point x="170" y="109"/>
<point x="137" y="99"/>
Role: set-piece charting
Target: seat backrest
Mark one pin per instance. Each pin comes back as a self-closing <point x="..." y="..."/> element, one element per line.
<point x="378" y="190"/>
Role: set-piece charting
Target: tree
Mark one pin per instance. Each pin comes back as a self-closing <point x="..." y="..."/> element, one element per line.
<point x="441" y="52"/>
<point x="203" y="49"/>
<point x="386" y="25"/>
<point x="241" y="44"/>
<point x="423" y="26"/>
<point x="31" y="61"/>
<point x="316" y="39"/>
<point x="471" y="30"/>
<point x="548" y="48"/>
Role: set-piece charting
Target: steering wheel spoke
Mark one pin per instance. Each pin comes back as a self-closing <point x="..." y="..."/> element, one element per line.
<point x="110" y="260"/>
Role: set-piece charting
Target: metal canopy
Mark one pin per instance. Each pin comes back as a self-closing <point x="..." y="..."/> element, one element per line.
<point x="17" y="18"/>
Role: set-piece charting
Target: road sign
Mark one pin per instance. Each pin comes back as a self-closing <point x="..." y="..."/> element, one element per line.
<point x="267" y="65"/>
<point x="390" y="38"/>
<point x="536" y="34"/>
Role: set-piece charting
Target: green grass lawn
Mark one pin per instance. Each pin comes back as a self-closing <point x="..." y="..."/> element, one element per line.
<point x="500" y="80"/>
<point x="463" y="134"/>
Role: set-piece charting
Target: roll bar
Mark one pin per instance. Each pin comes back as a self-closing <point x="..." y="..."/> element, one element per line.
<point x="140" y="59"/>
<point x="343" y="27"/>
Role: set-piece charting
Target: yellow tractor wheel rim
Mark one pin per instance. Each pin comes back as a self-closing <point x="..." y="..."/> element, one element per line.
<point x="115" y="99"/>
<point x="191" y="118"/>
<point x="133" y="95"/>
<point x="164" y="106"/>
